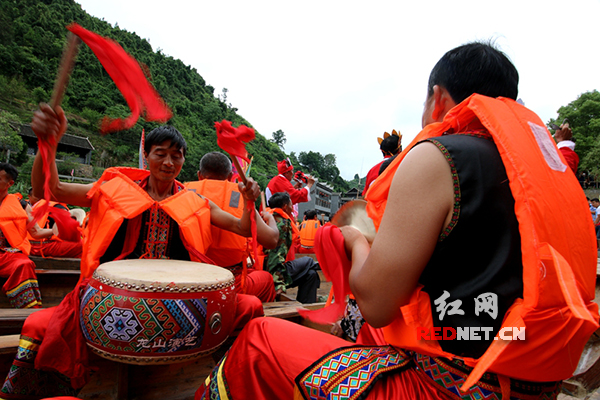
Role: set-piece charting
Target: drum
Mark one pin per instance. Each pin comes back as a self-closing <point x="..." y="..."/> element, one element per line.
<point x="157" y="311"/>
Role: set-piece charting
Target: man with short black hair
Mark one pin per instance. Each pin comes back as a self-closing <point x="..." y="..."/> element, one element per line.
<point x="228" y="249"/>
<point x="492" y="240"/>
<point x="289" y="272"/>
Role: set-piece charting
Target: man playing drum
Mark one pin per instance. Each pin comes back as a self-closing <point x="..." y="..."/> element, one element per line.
<point x="134" y="214"/>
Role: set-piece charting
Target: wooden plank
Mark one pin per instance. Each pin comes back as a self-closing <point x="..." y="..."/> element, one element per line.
<point x="9" y="344"/>
<point x="56" y="263"/>
<point x="12" y="320"/>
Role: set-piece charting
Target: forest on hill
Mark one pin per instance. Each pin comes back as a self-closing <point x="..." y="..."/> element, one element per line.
<point x="32" y="39"/>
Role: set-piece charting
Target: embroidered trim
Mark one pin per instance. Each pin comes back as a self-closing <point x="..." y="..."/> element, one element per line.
<point x="25" y="295"/>
<point x="456" y="188"/>
<point x="450" y="375"/>
<point x="216" y="384"/>
<point x="349" y="372"/>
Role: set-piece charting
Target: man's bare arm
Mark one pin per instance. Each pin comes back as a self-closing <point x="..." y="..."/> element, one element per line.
<point x="49" y="126"/>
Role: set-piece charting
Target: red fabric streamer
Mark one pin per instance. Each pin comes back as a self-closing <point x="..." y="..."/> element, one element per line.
<point x="68" y="228"/>
<point x="233" y="140"/>
<point x="127" y="74"/>
<point x="331" y="253"/>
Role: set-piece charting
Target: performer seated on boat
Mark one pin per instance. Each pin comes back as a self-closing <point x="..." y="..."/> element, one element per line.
<point x="229" y="249"/>
<point x="490" y="256"/>
<point x="21" y="286"/>
<point x="53" y="246"/>
<point x="134" y="214"/>
<point x="288" y="271"/>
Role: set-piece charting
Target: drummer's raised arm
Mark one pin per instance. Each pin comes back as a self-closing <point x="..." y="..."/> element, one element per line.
<point x="49" y="126"/>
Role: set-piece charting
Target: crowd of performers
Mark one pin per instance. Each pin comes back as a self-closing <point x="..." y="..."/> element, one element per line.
<point x="481" y="227"/>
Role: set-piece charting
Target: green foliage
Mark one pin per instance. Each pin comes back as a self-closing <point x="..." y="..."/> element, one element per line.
<point x="584" y="119"/>
<point x="32" y="37"/>
<point x="9" y="136"/>
<point x="279" y="138"/>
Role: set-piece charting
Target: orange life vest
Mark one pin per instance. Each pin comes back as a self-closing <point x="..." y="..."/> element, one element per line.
<point x="13" y="223"/>
<point x="115" y="196"/>
<point x="308" y="230"/>
<point x="227" y="248"/>
<point x="558" y="248"/>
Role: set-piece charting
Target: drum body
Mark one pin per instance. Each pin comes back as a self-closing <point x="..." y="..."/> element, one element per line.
<point x="152" y="312"/>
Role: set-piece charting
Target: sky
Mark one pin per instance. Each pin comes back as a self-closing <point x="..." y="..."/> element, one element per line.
<point x="335" y="75"/>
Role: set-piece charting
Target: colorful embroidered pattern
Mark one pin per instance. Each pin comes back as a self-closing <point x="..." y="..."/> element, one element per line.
<point x="142" y="325"/>
<point x="158" y="232"/>
<point x="216" y="383"/>
<point x="25" y="295"/>
<point x="451" y="375"/>
<point x="349" y="372"/>
<point x="24" y="381"/>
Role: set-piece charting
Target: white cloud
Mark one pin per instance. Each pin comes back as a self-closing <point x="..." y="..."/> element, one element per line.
<point x="334" y="75"/>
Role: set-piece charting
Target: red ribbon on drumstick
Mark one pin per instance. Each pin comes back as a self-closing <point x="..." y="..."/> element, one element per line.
<point x="127" y="75"/>
<point x="233" y="141"/>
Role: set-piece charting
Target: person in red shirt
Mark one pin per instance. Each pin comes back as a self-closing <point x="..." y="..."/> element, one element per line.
<point x="282" y="183"/>
<point x="566" y="145"/>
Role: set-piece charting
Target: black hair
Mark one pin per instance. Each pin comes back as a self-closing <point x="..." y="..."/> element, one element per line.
<point x="475" y="68"/>
<point x="215" y="165"/>
<point x="10" y="170"/>
<point x="162" y="133"/>
<point x="278" y="200"/>
<point x="390" y="145"/>
<point x="595" y="199"/>
<point x="311" y="214"/>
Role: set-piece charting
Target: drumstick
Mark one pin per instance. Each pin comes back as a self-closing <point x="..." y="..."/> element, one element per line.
<point x="263" y="202"/>
<point x="64" y="70"/>
<point x="239" y="168"/>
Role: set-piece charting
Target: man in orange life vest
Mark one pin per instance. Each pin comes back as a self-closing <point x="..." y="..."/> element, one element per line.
<point x="282" y="183"/>
<point x="493" y="252"/>
<point x="308" y="230"/>
<point x="21" y="287"/>
<point x="228" y="249"/>
<point x="156" y="217"/>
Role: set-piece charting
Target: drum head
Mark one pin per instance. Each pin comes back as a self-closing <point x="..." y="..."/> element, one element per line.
<point x="162" y="273"/>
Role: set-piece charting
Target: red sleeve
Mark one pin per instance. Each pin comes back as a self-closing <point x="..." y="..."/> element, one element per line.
<point x="281" y="184"/>
<point x="571" y="158"/>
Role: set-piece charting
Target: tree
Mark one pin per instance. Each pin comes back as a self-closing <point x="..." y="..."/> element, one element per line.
<point x="279" y="138"/>
<point x="583" y="115"/>
<point x="10" y="141"/>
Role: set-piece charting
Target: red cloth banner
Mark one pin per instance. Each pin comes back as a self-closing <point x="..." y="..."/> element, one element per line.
<point x="127" y="74"/>
<point x="233" y="140"/>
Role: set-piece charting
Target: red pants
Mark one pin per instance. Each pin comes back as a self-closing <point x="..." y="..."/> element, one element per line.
<point x="258" y="283"/>
<point x="268" y="355"/>
<point x="21" y="287"/>
<point x="23" y="381"/>
<point x="56" y="248"/>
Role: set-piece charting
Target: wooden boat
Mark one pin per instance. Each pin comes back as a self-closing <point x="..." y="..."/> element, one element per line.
<point x="115" y="380"/>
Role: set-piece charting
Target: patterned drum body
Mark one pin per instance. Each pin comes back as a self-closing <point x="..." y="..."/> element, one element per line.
<point x="157" y="311"/>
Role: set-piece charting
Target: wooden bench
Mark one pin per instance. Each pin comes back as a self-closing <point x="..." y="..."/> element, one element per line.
<point x="54" y="286"/>
<point x="50" y="263"/>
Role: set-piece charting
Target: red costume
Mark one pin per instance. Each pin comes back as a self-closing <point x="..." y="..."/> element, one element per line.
<point x="52" y="338"/>
<point x="21" y="287"/>
<point x="567" y="148"/>
<point x="558" y="268"/>
<point x="280" y="183"/>
<point x="228" y="249"/>
<point x="53" y="247"/>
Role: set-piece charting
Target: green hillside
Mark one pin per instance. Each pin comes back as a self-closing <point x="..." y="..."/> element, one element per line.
<point x="32" y="38"/>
